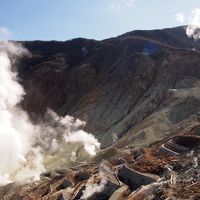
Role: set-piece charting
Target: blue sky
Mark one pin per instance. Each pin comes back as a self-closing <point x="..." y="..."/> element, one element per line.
<point x="95" y="19"/>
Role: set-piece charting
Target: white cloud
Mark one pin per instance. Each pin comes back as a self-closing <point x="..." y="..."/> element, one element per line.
<point x="119" y="5"/>
<point x="180" y="17"/>
<point x="4" y="33"/>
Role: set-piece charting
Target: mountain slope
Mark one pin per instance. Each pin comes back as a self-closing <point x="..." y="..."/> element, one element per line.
<point x="139" y="94"/>
<point x="116" y="83"/>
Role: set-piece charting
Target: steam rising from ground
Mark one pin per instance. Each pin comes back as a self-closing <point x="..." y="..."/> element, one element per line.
<point x="193" y="21"/>
<point x="65" y="129"/>
<point x="92" y="188"/>
<point x="23" y="146"/>
<point x="193" y="30"/>
<point x="15" y="128"/>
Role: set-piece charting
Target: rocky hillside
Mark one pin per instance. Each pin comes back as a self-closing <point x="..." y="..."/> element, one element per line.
<point x="167" y="170"/>
<point x="142" y="80"/>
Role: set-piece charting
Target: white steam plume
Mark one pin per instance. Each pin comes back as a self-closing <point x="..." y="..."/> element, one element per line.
<point x="180" y="17"/>
<point x="67" y="129"/>
<point x="16" y="130"/>
<point x="4" y="179"/>
<point x="88" y="140"/>
<point x="23" y="146"/>
<point x="92" y="188"/>
<point x="193" y="21"/>
<point x="4" y="33"/>
<point x="73" y="157"/>
<point x="193" y="29"/>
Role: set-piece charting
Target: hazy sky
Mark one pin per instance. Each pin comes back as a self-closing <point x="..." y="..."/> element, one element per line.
<point x="96" y="19"/>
